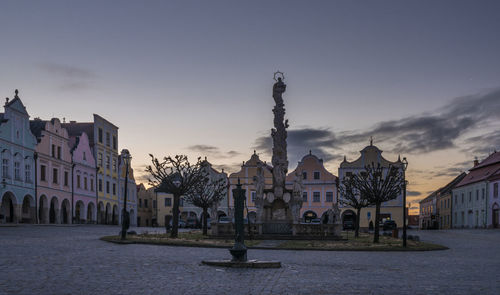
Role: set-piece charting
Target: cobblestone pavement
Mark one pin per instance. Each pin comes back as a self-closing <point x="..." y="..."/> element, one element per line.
<point x="71" y="260"/>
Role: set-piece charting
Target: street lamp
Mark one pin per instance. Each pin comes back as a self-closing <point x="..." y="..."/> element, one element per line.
<point x="405" y="166"/>
<point x="125" y="216"/>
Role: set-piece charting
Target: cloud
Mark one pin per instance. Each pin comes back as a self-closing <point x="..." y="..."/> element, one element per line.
<point x="213" y="151"/>
<point x="69" y="78"/>
<point x="413" y="193"/>
<point x="67" y="71"/>
<point x="321" y="142"/>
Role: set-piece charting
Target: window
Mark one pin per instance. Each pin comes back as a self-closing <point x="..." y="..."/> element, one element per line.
<point x="78" y="181"/>
<point x="304" y="197"/>
<point x="85" y="183"/>
<point x="316" y="175"/>
<point x="99" y="159"/>
<point x="17" y="171"/>
<point x="53" y="151"/>
<point x="100" y="135"/>
<point x="154" y="204"/>
<point x="108" y="162"/>
<point x="181" y="202"/>
<point x="462" y="198"/>
<point x="304" y="175"/>
<point x="316" y="197"/>
<point x="348" y="174"/>
<point x="329" y="196"/>
<point x="5" y="168"/>
<point x="168" y="202"/>
<point x="55" y="176"/>
<point x="107" y="187"/>
<point x="107" y="139"/>
<point x="477" y="195"/>
<point x="140" y="203"/>
<point x="91" y="182"/>
<point x="482" y="193"/>
<point x="114" y="142"/>
<point x="145" y="203"/>
<point x="114" y="188"/>
<point x="100" y="185"/>
<point x="455" y="199"/>
<point x="42" y="173"/>
<point x="252" y="195"/>
<point x="470" y="197"/>
<point x="66" y="177"/>
<point x="495" y="190"/>
<point x="59" y="152"/>
<point x="84" y="156"/>
<point x="114" y="165"/>
<point x="27" y="172"/>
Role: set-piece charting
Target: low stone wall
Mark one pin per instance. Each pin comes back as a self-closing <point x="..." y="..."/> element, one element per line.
<point x="317" y="230"/>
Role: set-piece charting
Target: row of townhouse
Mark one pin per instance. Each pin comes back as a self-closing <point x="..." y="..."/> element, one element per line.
<point x="471" y="200"/>
<point x="55" y="172"/>
<point x="320" y="187"/>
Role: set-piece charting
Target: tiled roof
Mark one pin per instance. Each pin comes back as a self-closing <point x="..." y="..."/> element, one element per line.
<point x="480" y="174"/>
<point x="445" y="189"/>
<point x="76" y="129"/>
<point x="492" y="159"/>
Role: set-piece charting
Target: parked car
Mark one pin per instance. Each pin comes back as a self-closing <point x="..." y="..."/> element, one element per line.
<point x="348" y="224"/>
<point x="191" y="223"/>
<point x="316" y="221"/>
<point x="182" y="224"/>
<point x="389" y="225"/>
<point x="224" y="219"/>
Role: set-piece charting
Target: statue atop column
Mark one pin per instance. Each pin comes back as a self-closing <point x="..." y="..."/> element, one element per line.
<point x="279" y="135"/>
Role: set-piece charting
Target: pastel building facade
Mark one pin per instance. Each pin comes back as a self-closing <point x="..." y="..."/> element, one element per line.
<point x="145" y="199"/>
<point x="247" y="176"/>
<point x="18" y="201"/>
<point x="494" y="200"/>
<point x="320" y="187"/>
<point x="389" y="210"/>
<point x="191" y="211"/>
<point x="84" y="176"/>
<point x="473" y="197"/>
<point x="131" y="190"/>
<point x="54" y="171"/>
<point x="103" y="140"/>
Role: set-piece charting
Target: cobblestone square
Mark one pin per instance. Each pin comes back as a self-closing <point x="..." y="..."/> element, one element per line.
<point x="72" y="260"/>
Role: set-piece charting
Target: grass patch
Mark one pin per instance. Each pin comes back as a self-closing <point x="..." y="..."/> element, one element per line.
<point x="190" y="239"/>
<point x="363" y="243"/>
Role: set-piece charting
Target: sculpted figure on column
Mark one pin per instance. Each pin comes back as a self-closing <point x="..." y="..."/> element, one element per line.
<point x="296" y="202"/>
<point x="259" y="183"/>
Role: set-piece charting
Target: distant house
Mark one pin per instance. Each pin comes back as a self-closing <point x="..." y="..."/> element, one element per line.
<point x="428" y="211"/>
<point x="474" y="201"/>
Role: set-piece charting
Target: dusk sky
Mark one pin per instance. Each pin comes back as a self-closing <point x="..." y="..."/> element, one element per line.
<point x="195" y="77"/>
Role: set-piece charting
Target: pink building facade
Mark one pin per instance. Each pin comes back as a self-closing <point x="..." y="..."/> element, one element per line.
<point x="320" y="188"/>
<point x="84" y="175"/>
<point x="53" y="170"/>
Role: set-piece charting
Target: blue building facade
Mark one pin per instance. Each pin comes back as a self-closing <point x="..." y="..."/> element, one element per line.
<point x="17" y="157"/>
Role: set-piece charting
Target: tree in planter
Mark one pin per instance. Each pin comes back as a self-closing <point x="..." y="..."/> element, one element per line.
<point x="206" y="193"/>
<point x="378" y="185"/>
<point x="350" y="196"/>
<point x="178" y="177"/>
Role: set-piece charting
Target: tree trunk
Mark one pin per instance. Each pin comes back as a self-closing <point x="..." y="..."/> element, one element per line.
<point x="175" y="217"/>
<point x="205" y="225"/>
<point x="356" y="232"/>
<point x="377" y="227"/>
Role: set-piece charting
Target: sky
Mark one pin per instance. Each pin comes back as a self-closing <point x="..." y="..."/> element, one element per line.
<point x="195" y="77"/>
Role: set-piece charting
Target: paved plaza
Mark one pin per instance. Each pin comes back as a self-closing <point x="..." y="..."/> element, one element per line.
<point x="71" y="260"/>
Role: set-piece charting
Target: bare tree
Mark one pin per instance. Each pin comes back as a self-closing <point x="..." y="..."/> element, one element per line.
<point x="350" y="196"/>
<point x="206" y="193"/>
<point x="176" y="176"/>
<point x="378" y="185"/>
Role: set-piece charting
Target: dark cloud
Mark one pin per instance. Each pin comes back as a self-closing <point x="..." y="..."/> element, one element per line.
<point x="413" y="193"/>
<point x="70" y="78"/>
<point x="66" y="71"/>
<point x="212" y="151"/>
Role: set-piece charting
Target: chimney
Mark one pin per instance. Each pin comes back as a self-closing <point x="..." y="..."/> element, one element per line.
<point x="476" y="162"/>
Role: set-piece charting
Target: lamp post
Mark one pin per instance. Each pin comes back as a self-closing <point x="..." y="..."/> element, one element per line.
<point x="405" y="166"/>
<point x="125" y="217"/>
